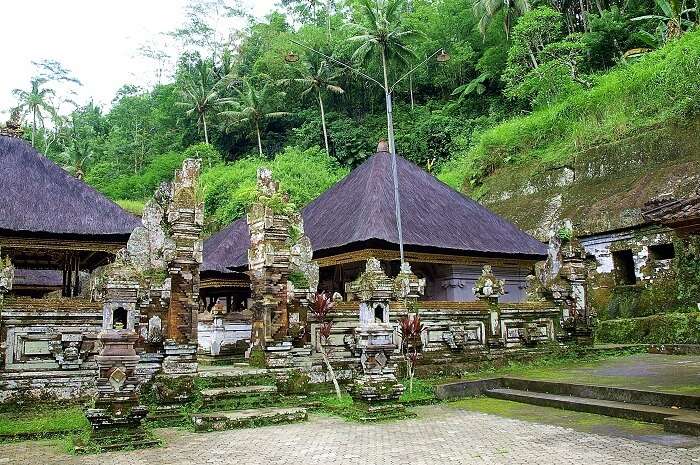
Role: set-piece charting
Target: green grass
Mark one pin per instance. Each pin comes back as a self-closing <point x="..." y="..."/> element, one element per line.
<point x="46" y="423"/>
<point x="132" y="206"/>
<point x="660" y="87"/>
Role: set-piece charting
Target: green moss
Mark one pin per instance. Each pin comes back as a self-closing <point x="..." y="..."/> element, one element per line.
<point x="579" y="421"/>
<point x="296" y="382"/>
<point x="670" y="328"/>
<point x="257" y="358"/>
<point x="299" y="280"/>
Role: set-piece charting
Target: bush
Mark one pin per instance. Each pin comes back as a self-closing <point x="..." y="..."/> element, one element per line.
<point x="667" y="328"/>
<point x="230" y="189"/>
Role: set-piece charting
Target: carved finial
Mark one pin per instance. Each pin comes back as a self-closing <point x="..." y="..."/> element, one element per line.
<point x="383" y="146"/>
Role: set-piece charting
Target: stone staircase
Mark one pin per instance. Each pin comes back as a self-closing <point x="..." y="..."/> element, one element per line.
<point x="240" y="396"/>
<point x="679" y="413"/>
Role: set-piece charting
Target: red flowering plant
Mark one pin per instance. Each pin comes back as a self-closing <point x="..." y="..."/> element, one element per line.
<point x="321" y="307"/>
<point x="411" y="328"/>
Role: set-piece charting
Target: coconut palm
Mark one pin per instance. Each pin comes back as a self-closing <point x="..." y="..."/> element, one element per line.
<point x="316" y="79"/>
<point x="254" y="106"/>
<point x="487" y="10"/>
<point x="199" y="94"/>
<point x="36" y="101"/>
<point x="381" y="30"/>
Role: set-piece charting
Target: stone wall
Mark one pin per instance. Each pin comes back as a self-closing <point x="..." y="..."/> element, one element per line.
<point x="49" y="349"/>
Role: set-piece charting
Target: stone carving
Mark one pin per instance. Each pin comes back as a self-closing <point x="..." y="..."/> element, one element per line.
<point x="66" y="350"/>
<point x="488" y="286"/>
<point x="562" y="278"/>
<point x="7" y="276"/>
<point x="117" y="414"/>
<point x="407" y="285"/>
<point x="149" y="246"/>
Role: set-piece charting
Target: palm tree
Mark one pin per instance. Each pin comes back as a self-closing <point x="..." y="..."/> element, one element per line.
<point x="199" y="93"/>
<point x="486" y="10"/>
<point x="316" y="79"/>
<point x="254" y="106"/>
<point x="36" y="101"/>
<point x="381" y="30"/>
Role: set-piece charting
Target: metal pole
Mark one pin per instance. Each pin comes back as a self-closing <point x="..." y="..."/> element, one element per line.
<point x="394" y="170"/>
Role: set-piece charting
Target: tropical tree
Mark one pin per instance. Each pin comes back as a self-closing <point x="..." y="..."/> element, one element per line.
<point x="36" y="101"/>
<point x="316" y="79"/>
<point x="200" y="94"/>
<point x="672" y="22"/>
<point x="380" y="29"/>
<point x="487" y="10"/>
<point x="254" y="106"/>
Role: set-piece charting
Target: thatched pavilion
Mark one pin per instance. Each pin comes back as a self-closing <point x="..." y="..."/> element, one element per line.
<point x="448" y="237"/>
<point x="53" y="221"/>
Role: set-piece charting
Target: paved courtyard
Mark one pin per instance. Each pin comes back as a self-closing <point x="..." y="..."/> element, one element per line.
<point x="441" y="435"/>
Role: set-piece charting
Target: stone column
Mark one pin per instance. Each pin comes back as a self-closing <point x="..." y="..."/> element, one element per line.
<point x="7" y="276"/>
<point x="185" y="217"/>
<point x="268" y="261"/>
<point x="488" y="288"/>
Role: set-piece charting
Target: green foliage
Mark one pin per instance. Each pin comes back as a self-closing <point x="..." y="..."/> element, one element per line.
<point x="658" y="87"/>
<point x="46" y="422"/>
<point x="257" y="358"/>
<point x="209" y="155"/>
<point x="687" y="266"/>
<point x="303" y="174"/>
<point x="132" y="206"/>
<point x="669" y="328"/>
<point x="141" y="186"/>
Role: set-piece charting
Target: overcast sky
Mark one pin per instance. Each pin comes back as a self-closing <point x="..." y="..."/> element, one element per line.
<point x="98" y="40"/>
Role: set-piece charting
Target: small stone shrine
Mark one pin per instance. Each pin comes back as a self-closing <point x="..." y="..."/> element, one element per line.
<point x="117" y="416"/>
<point x="373" y="340"/>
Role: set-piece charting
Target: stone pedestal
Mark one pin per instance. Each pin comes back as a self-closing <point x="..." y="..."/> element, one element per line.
<point x="180" y="359"/>
<point x="117" y="415"/>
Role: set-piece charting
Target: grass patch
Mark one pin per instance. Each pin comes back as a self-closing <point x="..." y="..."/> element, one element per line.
<point x="42" y="424"/>
<point x="132" y="206"/>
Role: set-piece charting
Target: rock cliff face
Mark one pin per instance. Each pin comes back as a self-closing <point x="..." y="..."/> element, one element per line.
<point x="602" y="188"/>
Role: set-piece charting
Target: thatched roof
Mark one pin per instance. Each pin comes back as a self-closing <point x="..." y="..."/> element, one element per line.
<point x="37" y="196"/>
<point x="360" y="209"/>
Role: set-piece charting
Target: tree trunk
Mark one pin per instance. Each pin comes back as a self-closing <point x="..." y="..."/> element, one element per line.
<point x="410" y="87"/>
<point x="331" y="372"/>
<point x="323" y="123"/>
<point x="328" y="18"/>
<point x="257" y="131"/>
<point x="206" y="134"/>
<point x="33" y="125"/>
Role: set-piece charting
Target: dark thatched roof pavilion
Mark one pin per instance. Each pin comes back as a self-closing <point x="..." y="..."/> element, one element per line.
<point x="358" y="213"/>
<point x="51" y="220"/>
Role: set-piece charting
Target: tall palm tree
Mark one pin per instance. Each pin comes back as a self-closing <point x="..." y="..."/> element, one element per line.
<point x="199" y="94"/>
<point x="381" y="30"/>
<point x="36" y="101"/>
<point x="316" y="79"/>
<point x="254" y="106"/>
<point x="486" y="11"/>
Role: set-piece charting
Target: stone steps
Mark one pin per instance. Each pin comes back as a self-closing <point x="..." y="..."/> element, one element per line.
<point x="235" y="375"/>
<point x="674" y="420"/>
<point x="240" y="396"/>
<point x="220" y="421"/>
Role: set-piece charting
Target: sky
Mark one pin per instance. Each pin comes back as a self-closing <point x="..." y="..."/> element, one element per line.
<point x="98" y="40"/>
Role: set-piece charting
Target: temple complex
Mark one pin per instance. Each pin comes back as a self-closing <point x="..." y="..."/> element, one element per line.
<point x="452" y="246"/>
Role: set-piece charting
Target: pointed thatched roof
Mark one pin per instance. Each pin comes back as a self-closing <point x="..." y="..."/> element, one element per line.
<point x="38" y="197"/>
<point x="360" y="209"/>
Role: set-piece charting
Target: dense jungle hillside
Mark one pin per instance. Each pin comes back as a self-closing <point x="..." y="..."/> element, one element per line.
<point x="554" y="106"/>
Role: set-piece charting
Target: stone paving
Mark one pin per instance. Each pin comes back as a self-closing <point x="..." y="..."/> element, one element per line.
<point x="441" y="435"/>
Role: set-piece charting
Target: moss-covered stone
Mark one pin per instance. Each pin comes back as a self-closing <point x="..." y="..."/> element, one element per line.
<point x="670" y="328"/>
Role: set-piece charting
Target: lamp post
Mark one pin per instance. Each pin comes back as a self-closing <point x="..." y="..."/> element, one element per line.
<point x="441" y="57"/>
